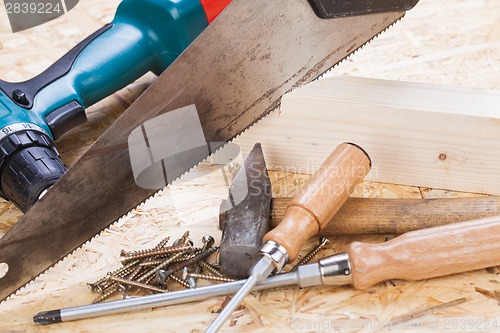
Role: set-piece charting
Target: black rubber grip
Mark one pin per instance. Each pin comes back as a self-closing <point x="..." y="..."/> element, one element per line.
<point x="329" y="9"/>
<point x="23" y="93"/>
<point x="30" y="168"/>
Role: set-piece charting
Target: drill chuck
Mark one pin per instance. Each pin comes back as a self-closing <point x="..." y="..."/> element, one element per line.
<point x="145" y="35"/>
<point x="29" y="165"/>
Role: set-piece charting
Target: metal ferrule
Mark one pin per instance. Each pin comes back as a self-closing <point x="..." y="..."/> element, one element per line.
<point x="335" y="270"/>
<point x="277" y="254"/>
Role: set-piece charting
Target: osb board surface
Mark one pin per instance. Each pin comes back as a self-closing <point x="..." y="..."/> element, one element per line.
<point x="447" y="42"/>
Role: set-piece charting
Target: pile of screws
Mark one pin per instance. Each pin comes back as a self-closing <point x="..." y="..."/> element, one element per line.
<point x="181" y="263"/>
<point x="154" y="269"/>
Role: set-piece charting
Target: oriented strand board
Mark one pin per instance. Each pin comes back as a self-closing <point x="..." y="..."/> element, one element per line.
<point x="416" y="134"/>
<point x="193" y="205"/>
<point x="446" y="42"/>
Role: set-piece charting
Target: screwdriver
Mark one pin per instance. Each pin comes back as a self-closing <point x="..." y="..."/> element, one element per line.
<point x="416" y="255"/>
<point x="312" y="208"/>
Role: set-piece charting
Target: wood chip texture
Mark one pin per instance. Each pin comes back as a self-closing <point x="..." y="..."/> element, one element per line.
<point x="443" y="42"/>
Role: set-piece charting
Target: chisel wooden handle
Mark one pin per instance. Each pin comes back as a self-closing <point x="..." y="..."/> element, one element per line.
<point x="321" y="197"/>
<point x="377" y="216"/>
<point x="427" y="253"/>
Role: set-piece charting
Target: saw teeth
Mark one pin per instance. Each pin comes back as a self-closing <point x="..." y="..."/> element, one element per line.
<point x="180" y="178"/>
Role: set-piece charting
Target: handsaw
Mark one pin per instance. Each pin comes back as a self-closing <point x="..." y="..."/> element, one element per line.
<point x="235" y="73"/>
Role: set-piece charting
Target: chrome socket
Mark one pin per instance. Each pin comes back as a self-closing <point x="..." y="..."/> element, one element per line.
<point x="335" y="270"/>
<point x="277" y="253"/>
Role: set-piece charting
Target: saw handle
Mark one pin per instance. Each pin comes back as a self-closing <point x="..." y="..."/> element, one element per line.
<point x="427" y="253"/>
<point x="319" y="200"/>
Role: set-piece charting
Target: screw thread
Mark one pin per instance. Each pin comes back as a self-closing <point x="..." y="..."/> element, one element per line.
<point x="162" y="243"/>
<point x="210" y="268"/>
<point x="208" y="241"/>
<point x="311" y="254"/>
<point x="180" y="281"/>
<point x="106" y="295"/>
<point x="95" y="286"/>
<point x="151" y="263"/>
<point x="164" y="264"/>
<point x="199" y="256"/>
<point x="216" y="262"/>
<point x="133" y="274"/>
<point x="128" y="256"/>
<point x="185" y="238"/>
<point x="210" y="277"/>
<point x="135" y="284"/>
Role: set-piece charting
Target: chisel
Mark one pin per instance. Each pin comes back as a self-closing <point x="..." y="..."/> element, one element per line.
<point x="307" y="214"/>
<point x="416" y="255"/>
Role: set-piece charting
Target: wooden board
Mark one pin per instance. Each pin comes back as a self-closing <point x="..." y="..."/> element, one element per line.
<point x="444" y="42"/>
<point x="416" y="134"/>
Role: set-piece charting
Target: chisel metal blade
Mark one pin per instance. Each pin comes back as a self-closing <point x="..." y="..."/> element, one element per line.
<point x="245" y="216"/>
<point x="235" y="73"/>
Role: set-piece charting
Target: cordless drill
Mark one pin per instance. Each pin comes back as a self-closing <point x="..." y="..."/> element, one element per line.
<point x="145" y="35"/>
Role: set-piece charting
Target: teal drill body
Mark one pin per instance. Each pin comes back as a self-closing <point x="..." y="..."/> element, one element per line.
<point x="145" y="35"/>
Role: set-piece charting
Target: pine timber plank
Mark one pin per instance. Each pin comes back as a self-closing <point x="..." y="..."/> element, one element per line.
<point x="416" y="134"/>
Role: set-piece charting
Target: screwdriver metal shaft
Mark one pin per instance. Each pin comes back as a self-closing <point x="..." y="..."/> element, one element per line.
<point x="216" y="325"/>
<point x="260" y="272"/>
<point x="305" y="276"/>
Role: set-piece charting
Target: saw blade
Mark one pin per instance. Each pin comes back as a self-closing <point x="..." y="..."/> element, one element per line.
<point x="235" y="73"/>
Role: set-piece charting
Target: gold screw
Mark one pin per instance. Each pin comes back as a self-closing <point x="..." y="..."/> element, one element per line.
<point x="162" y="243"/>
<point x="159" y="261"/>
<point x="106" y="295"/>
<point x="135" y="284"/>
<point x="162" y="276"/>
<point x="151" y="263"/>
<point x="210" y="277"/>
<point x="128" y="256"/>
<point x="184" y="240"/>
<point x="164" y="264"/>
<point x="208" y="241"/>
<point x="179" y="281"/>
<point x="322" y="243"/>
<point x="133" y="274"/>
<point x="216" y="263"/>
<point x="96" y="286"/>
<point x="210" y="268"/>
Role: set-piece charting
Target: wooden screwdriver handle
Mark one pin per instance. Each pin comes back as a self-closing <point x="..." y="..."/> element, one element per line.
<point x="427" y="253"/>
<point x="322" y="196"/>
